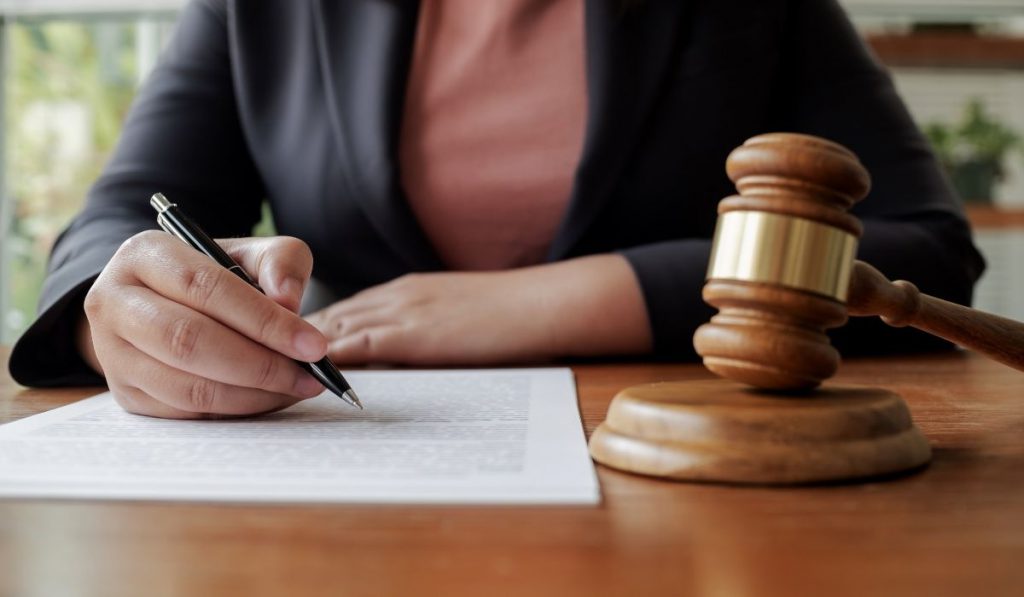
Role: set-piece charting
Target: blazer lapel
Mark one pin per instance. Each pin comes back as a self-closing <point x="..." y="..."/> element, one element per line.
<point x="629" y="50"/>
<point x="365" y="50"/>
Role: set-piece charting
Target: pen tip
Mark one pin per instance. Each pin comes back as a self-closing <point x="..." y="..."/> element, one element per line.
<point x="352" y="398"/>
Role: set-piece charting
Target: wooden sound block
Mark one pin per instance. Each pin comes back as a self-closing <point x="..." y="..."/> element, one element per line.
<point x="718" y="430"/>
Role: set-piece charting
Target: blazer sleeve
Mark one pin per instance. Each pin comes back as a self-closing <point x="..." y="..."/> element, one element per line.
<point x="914" y="228"/>
<point x="183" y="138"/>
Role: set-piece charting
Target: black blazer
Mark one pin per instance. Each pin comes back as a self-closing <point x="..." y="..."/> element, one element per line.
<point x="298" y="102"/>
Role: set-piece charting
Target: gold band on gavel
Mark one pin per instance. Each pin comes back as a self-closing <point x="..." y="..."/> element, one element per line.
<point x="756" y="246"/>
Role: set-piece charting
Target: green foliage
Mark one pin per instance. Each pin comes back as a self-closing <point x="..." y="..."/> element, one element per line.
<point x="978" y="137"/>
<point x="69" y="85"/>
<point x="266" y="226"/>
<point x="973" y="151"/>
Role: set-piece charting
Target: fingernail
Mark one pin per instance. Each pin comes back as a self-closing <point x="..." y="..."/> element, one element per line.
<point x="307" y="386"/>
<point x="311" y="346"/>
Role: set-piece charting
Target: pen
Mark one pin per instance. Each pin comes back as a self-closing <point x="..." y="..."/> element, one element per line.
<point x="172" y="219"/>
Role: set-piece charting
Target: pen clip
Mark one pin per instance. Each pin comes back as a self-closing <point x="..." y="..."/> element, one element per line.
<point x="169" y="227"/>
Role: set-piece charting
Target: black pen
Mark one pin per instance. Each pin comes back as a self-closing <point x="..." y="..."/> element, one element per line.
<point x="173" y="220"/>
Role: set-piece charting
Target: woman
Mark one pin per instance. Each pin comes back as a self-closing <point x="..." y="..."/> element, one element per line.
<point x="479" y="182"/>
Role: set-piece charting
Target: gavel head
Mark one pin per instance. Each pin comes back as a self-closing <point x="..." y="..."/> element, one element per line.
<point x="781" y="261"/>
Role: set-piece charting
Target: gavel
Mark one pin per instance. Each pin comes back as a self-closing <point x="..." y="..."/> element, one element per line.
<point x="783" y="270"/>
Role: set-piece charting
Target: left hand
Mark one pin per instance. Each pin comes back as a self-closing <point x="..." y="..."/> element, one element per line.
<point x="477" y="318"/>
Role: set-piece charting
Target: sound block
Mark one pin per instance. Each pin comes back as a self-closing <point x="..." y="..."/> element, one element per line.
<point x="721" y="431"/>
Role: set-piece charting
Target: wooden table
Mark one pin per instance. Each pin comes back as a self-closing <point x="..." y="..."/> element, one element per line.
<point x="956" y="528"/>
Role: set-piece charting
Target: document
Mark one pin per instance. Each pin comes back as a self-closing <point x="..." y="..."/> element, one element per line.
<point x="509" y="436"/>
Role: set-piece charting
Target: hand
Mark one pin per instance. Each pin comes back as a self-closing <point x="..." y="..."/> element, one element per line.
<point x="178" y="336"/>
<point x="586" y="306"/>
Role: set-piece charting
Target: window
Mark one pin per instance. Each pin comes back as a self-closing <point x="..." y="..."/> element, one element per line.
<point x="69" y="72"/>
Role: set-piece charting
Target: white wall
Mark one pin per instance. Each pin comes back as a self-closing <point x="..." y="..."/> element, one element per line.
<point x="1001" y="289"/>
<point x="935" y="9"/>
<point x="1002" y="16"/>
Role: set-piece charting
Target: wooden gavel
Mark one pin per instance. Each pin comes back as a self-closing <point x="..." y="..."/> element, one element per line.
<point x="783" y="270"/>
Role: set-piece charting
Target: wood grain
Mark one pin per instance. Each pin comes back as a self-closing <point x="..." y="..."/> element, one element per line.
<point x="949" y="50"/>
<point x="957" y="528"/>
<point x="900" y="304"/>
<point x="719" y="430"/>
<point x="770" y="333"/>
<point x="989" y="218"/>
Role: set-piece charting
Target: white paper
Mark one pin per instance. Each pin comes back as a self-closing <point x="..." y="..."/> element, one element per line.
<point x="476" y="436"/>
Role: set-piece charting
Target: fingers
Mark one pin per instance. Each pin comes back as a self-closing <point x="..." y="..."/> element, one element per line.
<point x="345" y="323"/>
<point x="194" y="343"/>
<point x="370" y="345"/>
<point x="281" y="265"/>
<point x="375" y="306"/>
<point x="186" y="277"/>
<point x="361" y="332"/>
<point x="349" y="329"/>
<point x="177" y="335"/>
<point x="159" y="390"/>
<point x="383" y="324"/>
<point x="439" y="319"/>
<point x="137" y="402"/>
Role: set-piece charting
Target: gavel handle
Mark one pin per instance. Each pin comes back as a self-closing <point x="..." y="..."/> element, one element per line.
<point x="901" y="304"/>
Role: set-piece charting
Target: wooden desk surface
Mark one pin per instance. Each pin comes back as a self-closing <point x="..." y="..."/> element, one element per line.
<point x="956" y="528"/>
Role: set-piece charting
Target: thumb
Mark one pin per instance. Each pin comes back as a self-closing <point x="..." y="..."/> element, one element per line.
<point x="281" y="265"/>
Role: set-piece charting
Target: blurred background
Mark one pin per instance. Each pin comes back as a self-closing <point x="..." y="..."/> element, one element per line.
<point x="69" y="69"/>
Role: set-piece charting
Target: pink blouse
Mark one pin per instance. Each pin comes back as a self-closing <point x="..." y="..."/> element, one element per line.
<point x="493" y="125"/>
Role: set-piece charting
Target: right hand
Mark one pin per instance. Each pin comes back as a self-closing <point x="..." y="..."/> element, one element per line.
<point x="178" y="336"/>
